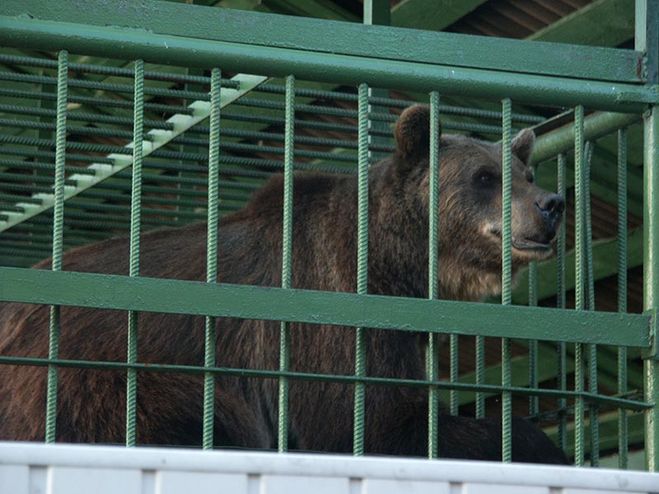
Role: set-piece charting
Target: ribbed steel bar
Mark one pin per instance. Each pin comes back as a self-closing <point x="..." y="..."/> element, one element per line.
<point x="58" y="241"/>
<point x="433" y="271"/>
<point x="87" y="207"/>
<point x="347" y="113"/>
<point x="534" y="403"/>
<point x="287" y="259"/>
<point x="211" y="253"/>
<point x="120" y="153"/>
<point x="623" y="423"/>
<point x="103" y="86"/>
<point x="94" y="101"/>
<point x="560" y="303"/>
<point x="313" y="124"/>
<point x="479" y="344"/>
<point x="580" y="269"/>
<point x="506" y="275"/>
<point x="592" y="349"/>
<point x="110" y="70"/>
<point x="454" y="373"/>
<point x="346" y="379"/>
<point x="96" y="131"/>
<point x="84" y="116"/>
<point x="134" y="248"/>
<point x="400" y="103"/>
<point x="362" y="265"/>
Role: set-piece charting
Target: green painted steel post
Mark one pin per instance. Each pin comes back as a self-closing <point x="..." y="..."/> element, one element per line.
<point x="506" y="276"/>
<point x="651" y="281"/>
<point x="433" y="272"/>
<point x="579" y="281"/>
<point x="213" y="218"/>
<point x="134" y="249"/>
<point x="647" y="41"/>
<point x="58" y="241"/>
<point x="623" y="425"/>
<point x="362" y="264"/>
<point x="560" y="303"/>
<point x="287" y="259"/>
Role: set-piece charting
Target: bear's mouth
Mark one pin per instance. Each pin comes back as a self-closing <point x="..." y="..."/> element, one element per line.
<point x="524" y="244"/>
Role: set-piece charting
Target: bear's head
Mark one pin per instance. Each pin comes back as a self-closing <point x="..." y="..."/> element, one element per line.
<point x="470" y="202"/>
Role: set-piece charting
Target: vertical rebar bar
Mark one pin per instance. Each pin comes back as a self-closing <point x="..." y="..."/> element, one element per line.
<point x="454" y="373"/>
<point x="592" y="349"/>
<point x="623" y="437"/>
<point x="58" y="240"/>
<point x="534" y="401"/>
<point x="579" y="281"/>
<point x="479" y="344"/>
<point x="362" y="263"/>
<point x="213" y="218"/>
<point x="287" y="258"/>
<point x="134" y="248"/>
<point x="560" y="303"/>
<point x="433" y="270"/>
<point x="506" y="275"/>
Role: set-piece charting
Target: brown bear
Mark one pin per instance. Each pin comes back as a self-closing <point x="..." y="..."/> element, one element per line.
<point x="91" y="406"/>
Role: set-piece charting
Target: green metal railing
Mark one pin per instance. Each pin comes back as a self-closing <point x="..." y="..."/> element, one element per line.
<point x="263" y="133"/>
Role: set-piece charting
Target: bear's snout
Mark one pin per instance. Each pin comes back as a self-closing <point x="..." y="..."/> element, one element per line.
<point x="550" y="207"/>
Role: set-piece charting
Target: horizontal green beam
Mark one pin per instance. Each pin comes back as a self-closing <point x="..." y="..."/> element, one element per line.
<point x="596" y="125"/>
<point x="149" y="18"/>
<point x="346" y="309"/>
<point x="605" y="254"/>
<point x="325" y="67"/>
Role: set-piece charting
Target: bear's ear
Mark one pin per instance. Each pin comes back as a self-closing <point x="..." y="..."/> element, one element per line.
<point x="413" y="132"/>
<point x="523" y="145"/>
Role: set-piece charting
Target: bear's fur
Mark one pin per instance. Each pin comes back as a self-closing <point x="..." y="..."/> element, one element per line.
<point x="91" y="403"/>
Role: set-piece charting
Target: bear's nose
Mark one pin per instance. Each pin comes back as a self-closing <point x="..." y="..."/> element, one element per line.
<point x="550" y="207"/>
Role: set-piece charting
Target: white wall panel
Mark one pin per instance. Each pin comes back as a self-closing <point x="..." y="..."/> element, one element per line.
<point x="63" y="469"/>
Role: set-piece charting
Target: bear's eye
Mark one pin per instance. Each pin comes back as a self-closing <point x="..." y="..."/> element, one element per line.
<point x="529" y="176"/>
<point x="485" y="178"/>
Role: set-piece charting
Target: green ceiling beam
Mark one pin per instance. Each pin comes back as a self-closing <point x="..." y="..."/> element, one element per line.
<point x="320" y="9"/>
<point x="608" y="431"/>
<point x="431" y="15"/>
<point x="586" y="27"/>
<point x="519" y="371"/>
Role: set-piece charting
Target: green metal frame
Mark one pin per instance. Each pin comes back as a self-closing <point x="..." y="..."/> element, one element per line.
<point x="26" y="24"/>
<point x="345" y="309"/>
<point x="621" y="80"/>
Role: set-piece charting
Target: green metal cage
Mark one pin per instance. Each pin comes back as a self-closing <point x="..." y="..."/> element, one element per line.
<point x="116" y="118"/>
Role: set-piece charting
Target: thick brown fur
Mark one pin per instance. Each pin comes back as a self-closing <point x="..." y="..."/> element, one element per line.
<point x="91" y="403"/>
